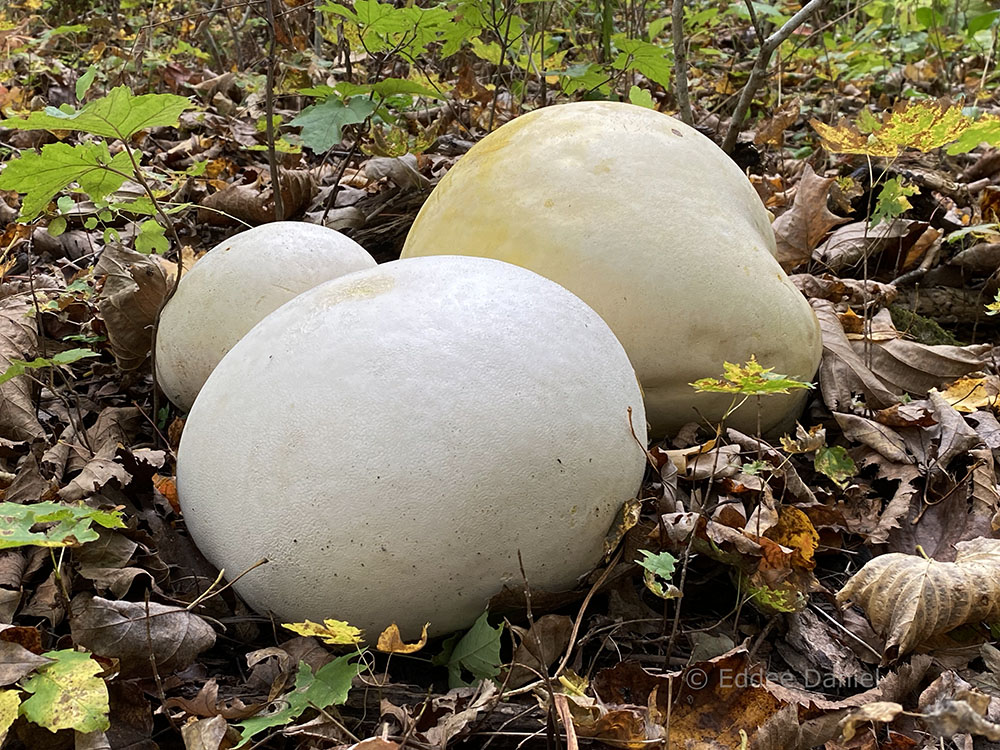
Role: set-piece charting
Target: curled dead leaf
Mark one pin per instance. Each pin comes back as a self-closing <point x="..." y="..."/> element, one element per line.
<point x="18" y="340"/>
<point x="910" y="599"/>
<point x="132" y="632"/>
<point x="391" y="642"/>
<point x="799" y="230"/>
<point x="254" y="204"/>
<point x="129" y="300"/>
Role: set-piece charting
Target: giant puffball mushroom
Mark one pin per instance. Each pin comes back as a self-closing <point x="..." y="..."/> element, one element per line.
<point x="653" y="226"/>
<point x="391" y="439"/>
<point x="235" y="285"/>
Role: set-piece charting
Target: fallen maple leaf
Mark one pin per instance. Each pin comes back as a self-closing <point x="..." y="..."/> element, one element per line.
<point x="910" y="599"/>
<point x="334" y="632"/>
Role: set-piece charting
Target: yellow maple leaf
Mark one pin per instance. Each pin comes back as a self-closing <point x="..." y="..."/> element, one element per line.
<point x="922" y="125"/>
<point x="391" y="642"/>
<point x="334" y="632"/>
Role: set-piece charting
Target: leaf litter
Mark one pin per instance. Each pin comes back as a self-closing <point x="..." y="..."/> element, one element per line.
<point x="103" y="605"/>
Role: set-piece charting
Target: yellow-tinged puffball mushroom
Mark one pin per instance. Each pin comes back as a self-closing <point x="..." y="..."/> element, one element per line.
<point x="391" y="439"/>
<point x="653" y="226"/>
<point x="234" y="286"/>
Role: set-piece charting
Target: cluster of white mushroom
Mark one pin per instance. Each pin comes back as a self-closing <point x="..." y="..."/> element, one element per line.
<point x="393" y="437"/>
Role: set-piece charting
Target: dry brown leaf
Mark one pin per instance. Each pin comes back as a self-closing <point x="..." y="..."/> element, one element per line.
<point x="254" y="204"/>
<point x="205" y="734"/>
<point x="853" y="291"/>
<point x="16" y="661"/>
<point x="799" y="230"/>
<point x="713" y="700"/>
<point x="772" y="130"/>
<point x="849" y="244"/>
<point x="401" y="170"/>
<point x="123" y="631"/>
<point x="842" y="372"/>
<point x="909" y="365"/>
<point x="879" y="437"/>
<point x="129" y="300"/>
<point x="18" y="340"/>
<point x="552" y="632"/>
<point x="99" y="471"/>
<point x="910" y="599"/>
<point x="983" y="258"/>
<point x="881" y="711"/>
<point x="899" y="506"/>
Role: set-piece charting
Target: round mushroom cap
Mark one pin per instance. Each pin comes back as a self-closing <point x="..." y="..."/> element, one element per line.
<point x="236" y="284"/>
<point x="391" y="440"/>
<point x="653" y="226"/>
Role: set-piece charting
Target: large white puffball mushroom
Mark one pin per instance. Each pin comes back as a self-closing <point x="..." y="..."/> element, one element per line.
<point x="234" y="286"/>
<point x="653" y="226"/>
<point x="391" y="439"/>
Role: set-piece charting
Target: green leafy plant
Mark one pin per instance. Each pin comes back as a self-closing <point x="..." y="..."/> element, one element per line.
<point x="71" y="525"/>
<point x="476" y="652"/>
<point x="749" y="379"/>
<point x="658" y="570"/>
<point x="835" y="463"/>
<point x="19" y="367"/>
<point x="116" y="117"/>
<point x="922" y="125"/>
<point x="892" y="201"/>
<point x="329" y="686"/>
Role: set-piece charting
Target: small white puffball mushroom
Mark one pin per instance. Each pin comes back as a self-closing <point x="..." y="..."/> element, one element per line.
<point x="235" y="285"/>
<point x="652" y="225"/>
<point x="391" y="439"/>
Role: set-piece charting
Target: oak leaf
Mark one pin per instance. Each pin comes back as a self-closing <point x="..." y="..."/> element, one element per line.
<point x="799" y="230"/>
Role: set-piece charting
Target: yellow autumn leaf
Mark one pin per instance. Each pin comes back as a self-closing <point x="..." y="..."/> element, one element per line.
<point x="391" y="642"/>
<point x="334" y="632"/>
<point x="971" y="394"/>
<point x="10" y="701"/>
<point x="795" y="531"/>
<point x="922" y="125"/>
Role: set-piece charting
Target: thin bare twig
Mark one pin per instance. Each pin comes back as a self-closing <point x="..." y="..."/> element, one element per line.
<point x="272" y="157"/>
<point x="680" y="63"/>
<point x="767" y="49"/>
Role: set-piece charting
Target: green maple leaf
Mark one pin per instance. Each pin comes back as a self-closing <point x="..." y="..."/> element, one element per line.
<point x="750" y="379"/>
<point x="984" y="130"/>
<point x="649" y="59"/>
<point x="477" y="652"/>
<point x="72" y="524"/>
<point x="328" y="687"/>
<point x="836" y="464"/>
<point x="120" y="115"/>
<point x="67" y="694"/>
<point x="43" y="175"/>
<point x="658" y="570"/>
<point x="322" y="124"/>
<point x="892" y="201"/>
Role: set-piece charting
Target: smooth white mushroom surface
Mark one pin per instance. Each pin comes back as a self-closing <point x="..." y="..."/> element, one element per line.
<point x="653" y="226"/>
<point x="236" y="284"/>
<point x="391" y="439"/>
